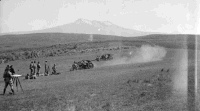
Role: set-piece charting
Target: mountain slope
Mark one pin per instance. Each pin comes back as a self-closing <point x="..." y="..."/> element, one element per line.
<point x="94" y="27"/>
<point x="84" y="26"/>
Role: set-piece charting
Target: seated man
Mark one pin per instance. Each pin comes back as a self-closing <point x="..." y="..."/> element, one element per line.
<point x="33" y="76"/>
<point x="27" y="76"/>
<point x="54" y="69"/>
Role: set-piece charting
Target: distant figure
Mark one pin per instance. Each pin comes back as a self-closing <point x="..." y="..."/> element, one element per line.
<point x="31" y="68"/>
<point x="54" y="69"/>
<point x="2" y="61"/>
<point x="8" y="79"/>
<point x="38" y="68"/>
<point x="27" y="76"/>
<point x="34" y="68"/>
<point x="12" y="69"/>
<point x="46" y="68"/>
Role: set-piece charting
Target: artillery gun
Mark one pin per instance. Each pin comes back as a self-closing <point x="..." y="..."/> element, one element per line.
<point x="84" y="64"/>
<point x="104" y="57"/>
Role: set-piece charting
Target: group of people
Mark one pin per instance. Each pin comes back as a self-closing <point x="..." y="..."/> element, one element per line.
<point x="8" y="73"/>
<point x="47" y="69"/>
<point x="35" y="70"/>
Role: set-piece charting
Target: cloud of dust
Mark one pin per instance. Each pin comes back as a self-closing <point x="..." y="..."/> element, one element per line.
<point x="180" y="74"/>
<point x="146" y="53"/>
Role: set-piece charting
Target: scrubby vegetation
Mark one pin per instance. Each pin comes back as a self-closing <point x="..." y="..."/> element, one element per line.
<point x="27" y="46"/>
<point x="61" y="49"/>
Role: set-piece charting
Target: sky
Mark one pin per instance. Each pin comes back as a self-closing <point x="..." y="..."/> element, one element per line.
<point x="167" y="16"/>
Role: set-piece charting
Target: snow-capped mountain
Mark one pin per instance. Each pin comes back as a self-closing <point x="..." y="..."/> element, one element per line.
<point x="90" y="27"/>
<point x="93" y="27"/>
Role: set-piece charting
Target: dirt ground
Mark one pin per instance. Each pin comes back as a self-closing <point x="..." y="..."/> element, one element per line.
<point x="124" y="87"/>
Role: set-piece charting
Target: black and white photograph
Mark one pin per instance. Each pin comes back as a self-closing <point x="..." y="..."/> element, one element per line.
<point x="99" y="55"/>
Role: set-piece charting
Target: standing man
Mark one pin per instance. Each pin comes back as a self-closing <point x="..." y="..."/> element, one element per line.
<point x="54" y="69"/>
<point x="12" y="69"/>
<point x="8" y="80"/>
<point x="46" y="68"/>
<point x="38" y="68"/>
<point x="34" y="68"/>
<point x="31" y="68"/>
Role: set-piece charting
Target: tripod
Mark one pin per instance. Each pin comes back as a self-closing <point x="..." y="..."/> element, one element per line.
<point x="17" y="81"/>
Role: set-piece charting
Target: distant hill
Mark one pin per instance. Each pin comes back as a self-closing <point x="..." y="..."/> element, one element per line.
<point x="16" y="41"/>
<point x="83" y="26"/>
<point x="36" y="45"/>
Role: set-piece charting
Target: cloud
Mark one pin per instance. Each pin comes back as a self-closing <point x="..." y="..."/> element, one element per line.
<point x="155" y="15"/>
<point x="38" y="24"/>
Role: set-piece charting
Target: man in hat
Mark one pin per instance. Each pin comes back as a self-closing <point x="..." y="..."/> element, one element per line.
<point x="8" y="79"/>
<point x="12" y="69"/>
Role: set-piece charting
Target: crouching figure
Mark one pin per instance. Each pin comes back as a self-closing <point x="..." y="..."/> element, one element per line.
<point x="54" y="71"/>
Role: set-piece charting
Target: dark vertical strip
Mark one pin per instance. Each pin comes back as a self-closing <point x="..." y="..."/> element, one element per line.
<point x="191" y="49"/>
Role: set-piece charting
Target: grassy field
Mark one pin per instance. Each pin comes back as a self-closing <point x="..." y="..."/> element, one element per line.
<point x="128" y="87"/>
<point x="145" y="86"/>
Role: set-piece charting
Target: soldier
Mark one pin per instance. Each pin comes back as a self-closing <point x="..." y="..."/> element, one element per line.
<point x="31" y="68"/>
<point x="38" y="68"/>
<point x="46" y="68"/>
<point x="54" y="69"/>
<point x="8" y="79"/>
<point x="34" y="68"/>
<point x="83" y="62"/>
<point x="106" y="56"/>
<point x="12" y="69"/>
